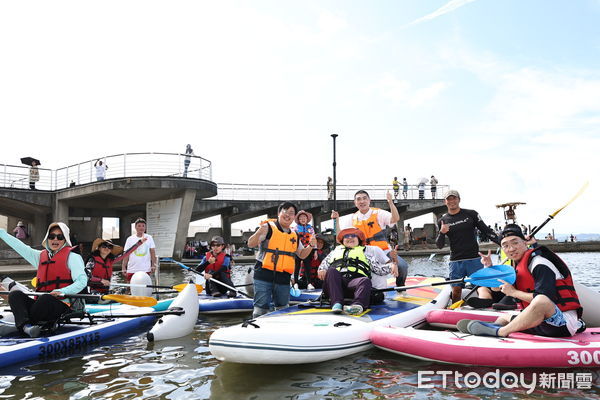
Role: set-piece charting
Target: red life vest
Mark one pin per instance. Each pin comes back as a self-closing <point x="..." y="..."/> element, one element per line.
<point x="53" y="273"/>
<point x="216" y="266"/>
<point x="103" y="269"/>
<point x="567" y="297"/>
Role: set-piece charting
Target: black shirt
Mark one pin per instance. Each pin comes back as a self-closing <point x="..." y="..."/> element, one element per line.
<point x="463" y="234"/>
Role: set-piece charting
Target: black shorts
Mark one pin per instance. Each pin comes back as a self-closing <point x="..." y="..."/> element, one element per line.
<point x="546" y="329"/>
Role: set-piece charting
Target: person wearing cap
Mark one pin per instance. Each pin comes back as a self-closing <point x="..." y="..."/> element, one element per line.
<point x="351" y="269"/>
<point x="216" y="266"/>
<point x="20" y="231"/>
<point x="142" y="258"/>
<point x="99" y="266"/>
<point x="305" y="232"/>
<point x="460" y="226"/>
<point x="275" y="261"/>
<point x="373" y="222"/>
<point x="544" y="286"/>
<point x="60" y="273"/>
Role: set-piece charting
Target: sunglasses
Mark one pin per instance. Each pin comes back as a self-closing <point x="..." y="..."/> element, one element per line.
<point x="350" y="236"/>
<point x="106" y="245"/>
<point x="216" y="245"/>
<point x="53" y="236"/>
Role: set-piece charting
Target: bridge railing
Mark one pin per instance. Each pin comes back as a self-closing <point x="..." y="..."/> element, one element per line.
<point x="239" y="191"/>
<point x="119" y="166"/>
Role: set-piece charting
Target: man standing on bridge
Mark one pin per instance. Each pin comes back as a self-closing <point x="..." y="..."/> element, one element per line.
<point x="276" y="262"/>
<point x="460" y="225"/>
<point x="373" y="223"/>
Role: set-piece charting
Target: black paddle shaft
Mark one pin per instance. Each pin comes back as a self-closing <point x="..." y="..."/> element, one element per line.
<point x="401" y="288"/>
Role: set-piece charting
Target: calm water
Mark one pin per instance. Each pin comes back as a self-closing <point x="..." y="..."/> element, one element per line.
<point x="132" y="368"/>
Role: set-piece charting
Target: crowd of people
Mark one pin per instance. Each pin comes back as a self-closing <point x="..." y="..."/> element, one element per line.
<point x="292" y="254"/>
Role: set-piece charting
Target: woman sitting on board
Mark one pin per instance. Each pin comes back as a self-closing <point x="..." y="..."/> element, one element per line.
<point x="347" y="270"/>
<point x="60" y="272"/>
<point x="217" y="264"/>
<point x="99" y="266"/>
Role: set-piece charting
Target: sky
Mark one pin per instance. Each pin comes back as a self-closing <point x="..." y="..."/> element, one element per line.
<point x="498" y="99"/>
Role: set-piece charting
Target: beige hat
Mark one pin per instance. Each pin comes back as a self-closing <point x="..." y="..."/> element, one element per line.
<point x="116" y="249"/>
<point x="451" y="193"/>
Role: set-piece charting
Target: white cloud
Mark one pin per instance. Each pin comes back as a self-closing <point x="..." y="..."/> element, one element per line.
<point x="402" y="91"/>
<point x="445" y="9"/>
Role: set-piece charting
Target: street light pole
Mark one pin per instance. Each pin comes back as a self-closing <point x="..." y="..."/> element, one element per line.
<point x="334" y="136"/>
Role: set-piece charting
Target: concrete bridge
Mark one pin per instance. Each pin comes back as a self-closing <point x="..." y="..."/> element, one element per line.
<point x="133" y="180"/>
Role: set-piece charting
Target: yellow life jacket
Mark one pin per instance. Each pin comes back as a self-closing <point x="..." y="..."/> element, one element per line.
<point x="373" y="232"/>
<point x="351" y="261"/>
<point x="280" y="250"/>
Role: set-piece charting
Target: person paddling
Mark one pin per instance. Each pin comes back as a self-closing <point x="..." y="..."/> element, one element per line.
<point x="60" y="272"/>
<point x="217" y="264"/>
<point x="99" y="266"/>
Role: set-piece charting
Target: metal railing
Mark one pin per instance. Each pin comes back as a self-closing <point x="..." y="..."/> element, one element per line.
<point x="119" y="166"/>
<point x="240" y="191"/>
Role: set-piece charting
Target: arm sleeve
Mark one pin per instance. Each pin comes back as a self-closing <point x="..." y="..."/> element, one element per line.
<point x="486" y="230"/>
<point x="202" y="266"/>
<point x="80" y="280"/>
<point x="545" y="282"/>
<point x="31" y="255"/>
<point x="380" y="261"/>
<point x="384" y="218"/>
<point x="225" y="265"/>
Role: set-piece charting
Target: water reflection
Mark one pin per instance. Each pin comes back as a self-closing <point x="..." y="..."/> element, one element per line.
<point x="128" y="368"/>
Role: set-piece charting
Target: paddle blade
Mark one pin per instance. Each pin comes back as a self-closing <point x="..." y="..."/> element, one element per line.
<point x="489" y="277"/>
<point x="138" y="301"/>
<point x="182" y="286"/>
<point x="456" y="305"/>
<point x="34" y="281"/>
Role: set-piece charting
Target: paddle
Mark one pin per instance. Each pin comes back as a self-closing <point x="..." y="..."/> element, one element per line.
<point x="178" y="288"/>
<point x="488" y="277"/>
<point x="139" y="301"/>
<point x="213" y="279"/>
<point x="231" y="288"/>
<point x="461" y="302"/>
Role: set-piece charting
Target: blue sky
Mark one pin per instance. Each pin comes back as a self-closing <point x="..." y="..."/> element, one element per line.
<point x="498" y="99"/>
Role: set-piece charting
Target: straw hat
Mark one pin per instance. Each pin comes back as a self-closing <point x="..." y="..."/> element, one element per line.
<point x="116" y="250"/>
<point x="355" y="231"/>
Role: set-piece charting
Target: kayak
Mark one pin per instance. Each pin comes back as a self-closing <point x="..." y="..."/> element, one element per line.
<point x="81" y="334"/>
<point x="306" y="334"/>
<point x="212" y="305"/>
<point x="519" y="350"/>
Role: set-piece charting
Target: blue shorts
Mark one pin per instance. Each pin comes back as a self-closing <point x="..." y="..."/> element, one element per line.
<point x="462" y="268"/>
<point x="268" y="295"/>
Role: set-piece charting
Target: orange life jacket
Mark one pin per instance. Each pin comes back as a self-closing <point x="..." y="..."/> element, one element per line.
<point x="567" y="297"/>
<point x="53" y="273"/>
<point x="370" y="227"/>
<point x="280" y="250"/>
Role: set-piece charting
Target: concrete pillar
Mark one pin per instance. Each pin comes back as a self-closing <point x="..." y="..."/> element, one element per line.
<point x="124" y="228"/>
<point x="317" y="222"/>
<point x="226" y="227"/>
<point x="185" y="217"/>
<point x="60" y="213"/>
<point x="38" y="229"/>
